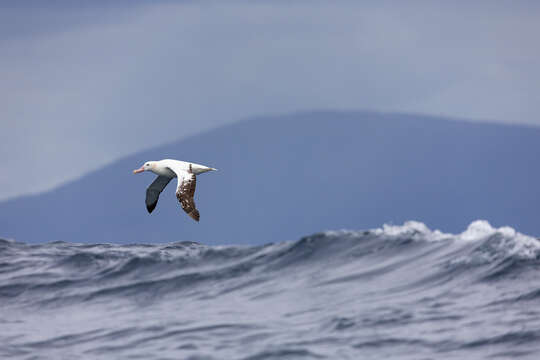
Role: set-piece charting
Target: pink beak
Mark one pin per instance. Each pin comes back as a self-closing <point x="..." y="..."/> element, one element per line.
<point x="138" y="170"/>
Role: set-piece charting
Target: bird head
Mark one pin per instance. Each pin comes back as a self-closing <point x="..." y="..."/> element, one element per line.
<point x="146" y="167"/>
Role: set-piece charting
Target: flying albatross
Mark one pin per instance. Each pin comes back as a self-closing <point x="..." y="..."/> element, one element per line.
<point x="168" y="169"/>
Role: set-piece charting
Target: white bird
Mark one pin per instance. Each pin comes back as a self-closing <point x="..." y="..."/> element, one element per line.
<point x="168" y="169"/>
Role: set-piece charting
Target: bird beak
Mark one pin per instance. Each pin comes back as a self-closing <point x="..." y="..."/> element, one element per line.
<point x="138" y="170"/>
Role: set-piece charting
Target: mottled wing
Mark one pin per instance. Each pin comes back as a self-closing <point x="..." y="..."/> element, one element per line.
<point x="153" y="191"/>
<point x="185" y="192"/>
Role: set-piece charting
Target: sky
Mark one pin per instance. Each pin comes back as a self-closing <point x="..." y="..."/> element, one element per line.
<point x="84" y="83"/>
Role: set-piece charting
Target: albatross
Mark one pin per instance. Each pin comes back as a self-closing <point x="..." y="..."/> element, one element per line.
<point x="168" y="169"/>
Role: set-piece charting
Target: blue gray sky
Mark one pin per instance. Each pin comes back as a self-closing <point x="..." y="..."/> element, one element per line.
<point x="82" y="85"/>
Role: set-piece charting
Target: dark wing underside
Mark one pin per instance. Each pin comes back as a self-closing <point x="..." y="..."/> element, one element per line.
<point x="153" y="191"/>
<point x="185" y="193"/>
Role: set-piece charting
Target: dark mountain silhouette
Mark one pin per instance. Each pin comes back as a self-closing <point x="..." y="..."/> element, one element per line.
<point x="283" y="177"/>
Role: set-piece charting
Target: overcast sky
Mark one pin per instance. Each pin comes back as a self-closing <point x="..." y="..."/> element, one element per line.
<point x="81" y="86"/>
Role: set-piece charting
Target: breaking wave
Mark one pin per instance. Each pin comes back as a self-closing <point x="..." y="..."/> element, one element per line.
<point x="402" y="292"/>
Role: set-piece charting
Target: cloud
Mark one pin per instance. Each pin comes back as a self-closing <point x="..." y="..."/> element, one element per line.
<point x="83" y="86"/>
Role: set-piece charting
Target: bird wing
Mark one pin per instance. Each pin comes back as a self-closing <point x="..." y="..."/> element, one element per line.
<point x="185" y="190"/>
<point x="153" y="191"/>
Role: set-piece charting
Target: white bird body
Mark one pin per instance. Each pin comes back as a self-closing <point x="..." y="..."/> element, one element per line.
<point x="168" y="169"/>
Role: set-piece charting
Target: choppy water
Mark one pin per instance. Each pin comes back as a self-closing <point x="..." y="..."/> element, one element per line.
<point x="399" y="292"/>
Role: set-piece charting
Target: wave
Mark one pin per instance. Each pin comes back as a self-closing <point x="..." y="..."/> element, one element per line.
<point x="393" y="279"/>
<point x="102" y="269"/>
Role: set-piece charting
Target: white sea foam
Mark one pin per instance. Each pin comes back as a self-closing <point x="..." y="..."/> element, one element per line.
<point x="513" y="242"/>
<point x="411" y="229"/>
<point x="504" y="238"/>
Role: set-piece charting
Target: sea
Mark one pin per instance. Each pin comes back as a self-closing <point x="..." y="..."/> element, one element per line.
<point x="394" y="292"/>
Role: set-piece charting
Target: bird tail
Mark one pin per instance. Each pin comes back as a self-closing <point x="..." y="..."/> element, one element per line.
<point x="199" y="169"/>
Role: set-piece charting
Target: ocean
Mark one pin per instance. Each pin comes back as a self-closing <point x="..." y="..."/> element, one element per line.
<point x="395" y="292"/>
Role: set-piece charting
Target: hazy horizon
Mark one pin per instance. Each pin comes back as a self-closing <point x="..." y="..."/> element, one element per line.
<point x="250" y="118"/>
